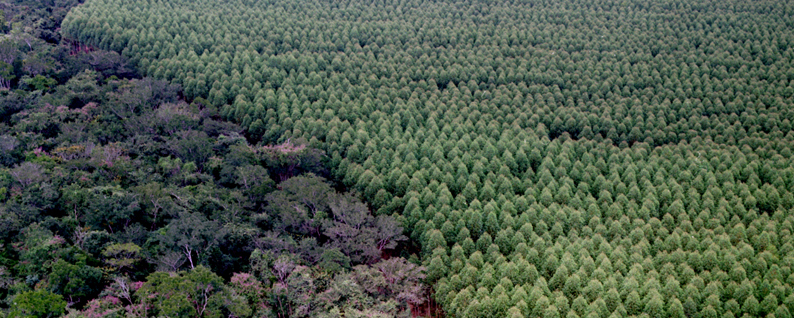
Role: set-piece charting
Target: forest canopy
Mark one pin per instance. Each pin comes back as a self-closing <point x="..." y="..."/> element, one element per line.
<point x="119" y="198"/>
<point x="551" y="158"/>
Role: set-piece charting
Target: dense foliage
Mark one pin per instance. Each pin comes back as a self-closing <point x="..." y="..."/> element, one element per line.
<point x="120" y="199"/>
<point x="553" y="158"/>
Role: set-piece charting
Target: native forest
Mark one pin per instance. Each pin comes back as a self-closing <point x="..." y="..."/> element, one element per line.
<point x="397" y="158"/>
